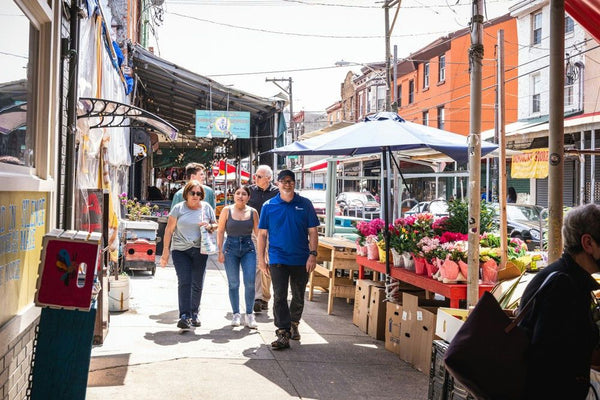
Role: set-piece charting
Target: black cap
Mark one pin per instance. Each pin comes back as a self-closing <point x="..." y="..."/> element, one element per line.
<point x="286" y="172"/>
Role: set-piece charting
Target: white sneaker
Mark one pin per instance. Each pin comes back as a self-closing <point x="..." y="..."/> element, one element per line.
<point x="251" y="321"/>
<point x="236" y="320"/>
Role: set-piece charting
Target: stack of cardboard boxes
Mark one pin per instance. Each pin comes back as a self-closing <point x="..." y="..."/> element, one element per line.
<point x="407" y="327"/>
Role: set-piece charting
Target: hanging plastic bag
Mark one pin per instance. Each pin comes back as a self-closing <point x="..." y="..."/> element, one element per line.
<point x="208" y="243"/>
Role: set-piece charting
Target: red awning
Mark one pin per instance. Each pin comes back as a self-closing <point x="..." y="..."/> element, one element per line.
<point x="220" y="169"/>
<point x="587" y="14"/>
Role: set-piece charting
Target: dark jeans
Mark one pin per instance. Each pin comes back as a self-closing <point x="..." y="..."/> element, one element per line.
<point x="190" y="266"/>
<point x="295" y="277"/>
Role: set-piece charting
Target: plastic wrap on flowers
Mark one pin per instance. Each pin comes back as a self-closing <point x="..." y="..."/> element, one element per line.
<point x="372" y="251"/>
<point x="431" y="267"/>
<point x="397" y="258"/>
<point x="360" y="250"/>
<point x="382" y="255"/>
<point x="489" y="272"/>
<point x="409" y="262"/>
<point x="449" y="269"/>
<point x="419" y="265"/>
<point x="464" y="268"/>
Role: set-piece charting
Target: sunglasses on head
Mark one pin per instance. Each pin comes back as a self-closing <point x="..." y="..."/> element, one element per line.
<point x="195" y="193"/>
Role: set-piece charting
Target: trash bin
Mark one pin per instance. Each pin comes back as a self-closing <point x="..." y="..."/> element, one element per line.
<point x="162" y="224"/>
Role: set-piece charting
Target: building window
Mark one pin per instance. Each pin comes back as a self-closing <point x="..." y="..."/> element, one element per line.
<point x="442" y="68"/>
<point x="440" y="117"/>
<point x="535" y="93"/>
<point x="380" y="98"/>
<point x="411" y="91"/>
<point x="399" y="96"/>
<point x="17" y="86"/>
<point x="569" y="25"/>
<point x="569" y="81"/>
<point x="425" y="75"/>
<point x="426" y="118"/>
<point x="536" y="37"/>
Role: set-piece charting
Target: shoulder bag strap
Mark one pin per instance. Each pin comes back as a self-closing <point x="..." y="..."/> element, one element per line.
<point x="529" y="304"/>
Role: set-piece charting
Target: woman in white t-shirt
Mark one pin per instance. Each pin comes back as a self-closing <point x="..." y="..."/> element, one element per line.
<point x="182" y="239"/>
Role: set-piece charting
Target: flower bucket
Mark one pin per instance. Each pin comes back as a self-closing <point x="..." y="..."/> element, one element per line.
<point x="381" y="254"/>
<point x="409" y="262"/>
<point x="372" y="251"/>
<point x="397" y="258"/>
<point x="489" y="272"/>
<point x="431" y="267"/>
<point x="420" y="266"/>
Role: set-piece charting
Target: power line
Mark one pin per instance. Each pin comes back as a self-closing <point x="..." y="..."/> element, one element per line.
<point x="303" y="34"/>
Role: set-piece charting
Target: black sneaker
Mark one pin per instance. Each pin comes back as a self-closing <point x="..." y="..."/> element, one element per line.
<point x="195" y="322"/>
<point x="184" y="323"/>
<point x="294" y="333"/>
<point x="282" y="341"/>
<point x="257" y="305"/>
<point x="264" y="305"/>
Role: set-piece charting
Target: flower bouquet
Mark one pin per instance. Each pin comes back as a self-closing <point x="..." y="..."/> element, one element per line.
<point x="364" y="229"/>
<point x="429" y="249"/>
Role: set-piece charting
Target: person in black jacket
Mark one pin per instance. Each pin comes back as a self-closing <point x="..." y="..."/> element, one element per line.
<point x="561" y="325"/>
<point x="261" y="191"/>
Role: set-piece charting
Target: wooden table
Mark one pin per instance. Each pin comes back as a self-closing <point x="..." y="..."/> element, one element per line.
<point x="334" y="254"/>
<point x="455" y="292"/>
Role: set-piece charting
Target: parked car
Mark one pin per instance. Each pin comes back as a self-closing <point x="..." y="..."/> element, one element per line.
<point x="438" y="208"/>
<point x="527" y="222"/>
<point x="319" y="201"/>
<point x="358" y="204"/>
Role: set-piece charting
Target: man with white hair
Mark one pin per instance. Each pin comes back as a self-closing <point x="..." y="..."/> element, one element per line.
<point x="261" y="191"/>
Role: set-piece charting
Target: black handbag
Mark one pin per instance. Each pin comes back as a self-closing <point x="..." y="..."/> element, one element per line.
<point x="487" y="355"/>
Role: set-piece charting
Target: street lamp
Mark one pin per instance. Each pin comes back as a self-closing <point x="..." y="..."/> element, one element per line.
<point x="378" y="73"/>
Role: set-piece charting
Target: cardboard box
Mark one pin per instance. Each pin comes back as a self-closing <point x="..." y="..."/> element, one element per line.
<point x="362" y="296"/>
<point x="393" y="321"/>
<point x="410" y="304"/>
<point x="416" y="333"/>
<point x="423" y="333"/>
<point x="449" y="321"/>
<point x="376" y="313"/>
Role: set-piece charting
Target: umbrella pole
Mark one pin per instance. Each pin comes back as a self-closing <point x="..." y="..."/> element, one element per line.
<point x="386" y="208"/>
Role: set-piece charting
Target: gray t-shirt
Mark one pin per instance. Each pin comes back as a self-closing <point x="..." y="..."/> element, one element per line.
<point x="187" y="231"/>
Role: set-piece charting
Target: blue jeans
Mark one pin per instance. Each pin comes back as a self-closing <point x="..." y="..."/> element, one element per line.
<point x="239" y="250"/>
<point x="190" y="266"/>
<point x="282" y="276"/>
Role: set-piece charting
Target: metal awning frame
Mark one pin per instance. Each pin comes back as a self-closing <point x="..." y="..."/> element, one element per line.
<point x="112" y="114"/>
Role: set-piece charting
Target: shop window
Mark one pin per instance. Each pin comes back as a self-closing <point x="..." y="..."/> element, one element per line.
<point x="17" y="83"/>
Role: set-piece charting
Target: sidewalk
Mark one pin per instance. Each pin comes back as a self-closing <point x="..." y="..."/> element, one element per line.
<point x="145" y="356"/>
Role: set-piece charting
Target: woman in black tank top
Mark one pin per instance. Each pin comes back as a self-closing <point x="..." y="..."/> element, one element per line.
<point x="239" y="221"/>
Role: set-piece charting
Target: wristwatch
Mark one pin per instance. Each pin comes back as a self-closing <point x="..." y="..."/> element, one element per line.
<point x="313" y="253"/>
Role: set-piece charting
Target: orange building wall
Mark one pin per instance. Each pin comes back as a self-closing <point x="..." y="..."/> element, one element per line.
<point x="454" y="92"/>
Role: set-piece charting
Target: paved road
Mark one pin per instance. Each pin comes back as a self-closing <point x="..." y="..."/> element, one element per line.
<point x="145" y="356"/>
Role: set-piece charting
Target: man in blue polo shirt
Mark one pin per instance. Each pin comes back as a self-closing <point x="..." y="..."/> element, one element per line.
<point x="290" y="222"/>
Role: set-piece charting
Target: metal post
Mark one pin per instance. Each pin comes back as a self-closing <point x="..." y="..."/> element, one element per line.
<point x="500" y="128"/>
<point x="475" y="58"/>
<point x="556" y="126"/>
<point x="71" y="156"/>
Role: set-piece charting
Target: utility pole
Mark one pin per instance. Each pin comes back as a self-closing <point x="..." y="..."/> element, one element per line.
<point x="556" y="129"/>
<point x="474" y="140"/>
<point x="388" y="56"/>
<point x="287" y="91"/>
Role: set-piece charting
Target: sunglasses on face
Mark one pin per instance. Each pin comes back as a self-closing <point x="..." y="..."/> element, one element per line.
<point x="192" y="193"/>
<point x="288" y="182"/>
<point x="260" y="176"/>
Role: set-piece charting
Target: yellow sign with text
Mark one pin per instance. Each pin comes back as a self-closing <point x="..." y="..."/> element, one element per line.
<point x="22" y="228"/>
<point x="530" y="164"/>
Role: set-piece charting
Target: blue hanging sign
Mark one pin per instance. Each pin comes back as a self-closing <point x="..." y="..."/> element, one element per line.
<point x="223" y="124"/>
